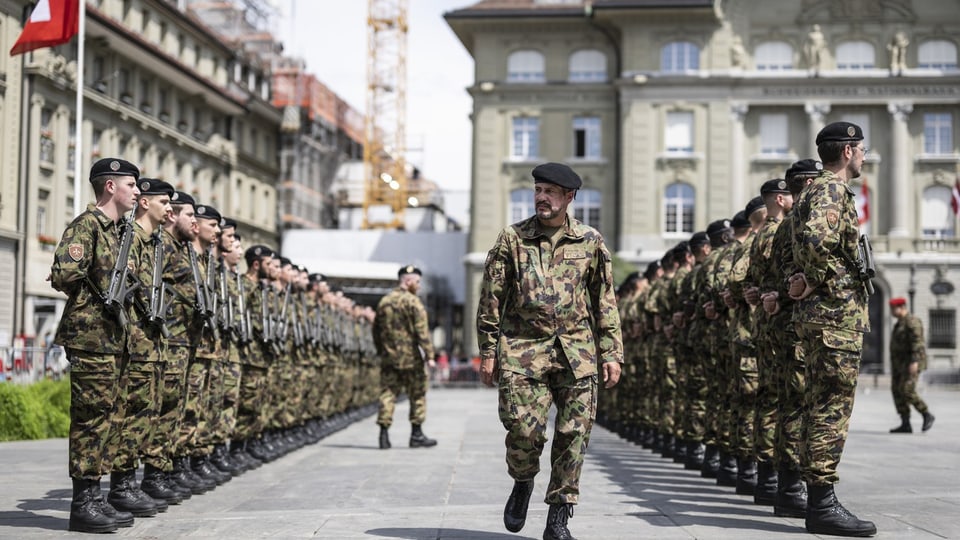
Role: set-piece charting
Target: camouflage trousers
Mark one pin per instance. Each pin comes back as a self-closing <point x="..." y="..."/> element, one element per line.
<point x="140" y="381"/>
<point x="904" y="388"/>
<point x="193" y="422"/>
<point x="744" y="402"/>
<point x="225" y="409"/>
<point x="95" y="390"/>
<point x="395" y="381"/>
<point x="832" y="358"/>
<point x="791" y="388"/>
<point x="524" y="409"/>
<point x="723" y="396"/>
<point x="253" y="386"/>
<point x="665" y="382"/>
<point x="696" y="365"/>
<point x="771" y="353"/>
<point x="161" y="444"/>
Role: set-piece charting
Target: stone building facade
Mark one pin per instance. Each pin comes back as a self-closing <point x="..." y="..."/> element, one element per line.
<point x="674" y="113"/>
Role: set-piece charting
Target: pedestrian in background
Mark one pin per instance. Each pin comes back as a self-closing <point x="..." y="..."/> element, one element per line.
<point x="401" y="333"/>
<point x="908" y="357"/>
<point x="547" y="317"/>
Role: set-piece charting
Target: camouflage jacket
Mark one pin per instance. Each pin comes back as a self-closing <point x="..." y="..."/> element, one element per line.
<point x="143" y="340"/>
<point x="81" y="269"/>
<point x="253" y="304"/>
<point x="527" y="305"/>
<point x="182" y="321"/>
<point x="906" y="344"/>
<point x="401" y="331"/>
<point x="781" y="255"/>
<point x="824" y="249"/>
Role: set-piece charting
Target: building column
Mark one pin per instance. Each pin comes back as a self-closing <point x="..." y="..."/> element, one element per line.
<point x="899" y="168"/>
<point x="738" y="168"/>
<point x="817" y="111"/>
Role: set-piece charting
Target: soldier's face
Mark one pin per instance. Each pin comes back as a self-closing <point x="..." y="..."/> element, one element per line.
<point x="208" y="229"/>
<point x="786" y="201"/>
<point x="157" y="208"/>
<point x="186" y="224"/>
<point x="226" y="239"/>
<point x="233" y="256"/>
<point x="411" y="282"/>
<point x="125" y="192"/>
<point x="274" y="269"/>
<point x="858" y="153"/>
<point x="551" y="200"/>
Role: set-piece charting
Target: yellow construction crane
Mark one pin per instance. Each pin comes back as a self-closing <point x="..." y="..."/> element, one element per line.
<point x="384" y="149"/>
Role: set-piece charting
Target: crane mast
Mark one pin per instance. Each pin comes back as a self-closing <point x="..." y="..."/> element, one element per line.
<point x="384" y="149"/>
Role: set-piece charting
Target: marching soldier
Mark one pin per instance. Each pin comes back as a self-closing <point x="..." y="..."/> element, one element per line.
<point x="908" y="357"/>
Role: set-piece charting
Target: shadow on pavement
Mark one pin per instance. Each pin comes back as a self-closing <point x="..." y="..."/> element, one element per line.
<point x="57" y="499"/>
<point x="441" y="534"/>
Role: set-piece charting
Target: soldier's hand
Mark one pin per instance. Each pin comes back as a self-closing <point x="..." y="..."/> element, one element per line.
<point x="710" y="311"/>
<point x="799" y="288"/>
<point x="728" y="300"/>
<point x="771" y="302"/>
<point x="752" y="296"/>
<point x="678" y="319"/>
<point x="611" y="374"/>
<point x="668" y="331"/>
<point x="914" y="369"/>
<point x="486" y="371"/>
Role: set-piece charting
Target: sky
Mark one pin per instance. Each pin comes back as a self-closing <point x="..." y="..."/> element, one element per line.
<point x="331" y="36"/>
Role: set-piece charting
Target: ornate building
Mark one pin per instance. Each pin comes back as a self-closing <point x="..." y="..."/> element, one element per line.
<point x="675" y="112"/>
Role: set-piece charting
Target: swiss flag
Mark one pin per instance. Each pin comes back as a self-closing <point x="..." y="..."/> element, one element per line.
<point x="53" y="22"/>
<point x="955" y="199"/>
<point x="863" y="203"/>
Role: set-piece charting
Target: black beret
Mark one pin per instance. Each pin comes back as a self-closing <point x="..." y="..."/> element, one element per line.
<point x="182" y="197"/>
<point x="113" y="167"/>
<point x="840" y="132"/>
<point x="804" y="167"/>
<point x="228" y="223"/>
<point x="775" y="185"/>
<point x="699" y="239"/>
<point x="651" y="270"/>
<point x="682" y="248"/>
<point x="753" y="205"/>
<point x="718" y="227"/>
<point x="409" y="269"/>
<point x="285" y="262"/>
<point x="557" y="173"/>
<point x="317" y="277"/>
<point x="206" y="211"/>
<point x="739" y="220"/>
<point x="258" y="251"/>
<point x="152" y="186"/>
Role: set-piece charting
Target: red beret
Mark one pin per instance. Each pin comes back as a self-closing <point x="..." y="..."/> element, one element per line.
<point x="899" y="301"/>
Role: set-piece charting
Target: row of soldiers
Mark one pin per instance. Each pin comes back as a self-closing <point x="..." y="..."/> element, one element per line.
<point x="181" y="361"/>
<point x="714" y="373"/>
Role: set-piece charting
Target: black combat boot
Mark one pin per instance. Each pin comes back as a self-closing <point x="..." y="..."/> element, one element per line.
<point x="200" y="465"/>
<point x="384" y="437"/>
<point x="766" y="490"/>
<point x="123" y="519"/>
<point x="679" y="450"/>
<point x="695" y="453"/>
<point x="125" y="496"/>
<point x="727" y="471"/>
<point x="557" y="518"/>
<point x="419" y="440"/>
<point x="711" y="461"/>
<point x="155" y="485"/>
<point x="187" y="479"/>
<point x="648" y="438"/>
<point x="86" y="513"/>
<point x="220" y="458"/>
<point x="904" y="426"/>
<point x="255" y="447"/>
<point x="927" y="421"/>
<point x="791" y="498"/>
<point x="746" y="476"/>
<point x="515" y="512"/>
<point x="825" y="515"/>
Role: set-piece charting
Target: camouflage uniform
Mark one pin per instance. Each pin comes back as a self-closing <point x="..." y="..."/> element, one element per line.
<point x="402" y="336"/>
<point x="907" y="347"/>
<point x="831" y="320"/>
<point x="95" y="344"/>
<point x="254" y="362"/>
<point x="547" y="315"/>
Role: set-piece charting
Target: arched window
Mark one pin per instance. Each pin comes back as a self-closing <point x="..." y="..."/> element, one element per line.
<point x="678" y="201"/>
<point x="679" y="57"/>
<point x="937" y="54"/>
<point x="586" y="207"/>
<point x="588" y="65"/>
<point x="855" y="55"/>
<point x="521" y="204"/>
<point x="773" y="56"/>
<point x="937" y="217"/>
<point x="525" y="66"/>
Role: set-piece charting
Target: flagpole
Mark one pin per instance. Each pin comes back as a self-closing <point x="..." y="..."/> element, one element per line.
<point x="78" y="136"/>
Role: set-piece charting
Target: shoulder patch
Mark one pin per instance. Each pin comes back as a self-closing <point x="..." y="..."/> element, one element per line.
<point x="75" y="251"/>
<point x="833" y="217"/>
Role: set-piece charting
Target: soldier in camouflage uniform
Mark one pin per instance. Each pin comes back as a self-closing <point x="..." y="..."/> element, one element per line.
<point x="662" y="357"/>
<point x="831" y="317"/>
<point x="547" y="316"/>
<point x="401" y="332"/>
<point x="143" y="372"/>
<point x="908" y="357"/>
<point x="94" y="342"/>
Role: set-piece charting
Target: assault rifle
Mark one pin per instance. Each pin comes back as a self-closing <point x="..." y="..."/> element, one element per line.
<point x="866" y="268"/>
<point x="200" y="288"/>
<point x="157" y="313"/>
<point x="283" y="326"/>
<point x="114" y="299"/>
<point x="210" y="287"/>
<point x="226" y="301"/>
<point x="243" y="332"/>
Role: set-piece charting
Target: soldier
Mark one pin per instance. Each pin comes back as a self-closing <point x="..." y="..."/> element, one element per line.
<point x="143" y="371"/>
<point x="831" y="317"/>
<point x="547" y="317"/>
<point x="95" y="343"/>
<point x="402" y="335"/>
<point x="908" y="357"/>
